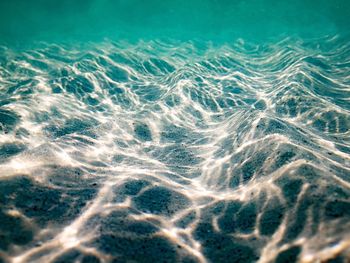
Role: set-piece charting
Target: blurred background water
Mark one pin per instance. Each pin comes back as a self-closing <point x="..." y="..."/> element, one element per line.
<point x="62" y="20"/>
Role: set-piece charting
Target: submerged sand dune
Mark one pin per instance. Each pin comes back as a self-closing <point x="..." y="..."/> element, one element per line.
<point x="175" y="152"/>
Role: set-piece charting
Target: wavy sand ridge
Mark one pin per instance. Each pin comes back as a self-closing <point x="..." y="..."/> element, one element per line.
<point x="175" y="152"/>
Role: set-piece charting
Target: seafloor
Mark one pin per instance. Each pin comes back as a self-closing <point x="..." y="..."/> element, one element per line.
<point x="175" y="151"/>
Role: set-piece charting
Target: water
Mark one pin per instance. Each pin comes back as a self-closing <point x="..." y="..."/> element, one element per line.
<point x="174" y="132"/>
<point x="214" y="20"/>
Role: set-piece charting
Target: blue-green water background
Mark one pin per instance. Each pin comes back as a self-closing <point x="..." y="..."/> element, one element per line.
<point x="217" y="20"/>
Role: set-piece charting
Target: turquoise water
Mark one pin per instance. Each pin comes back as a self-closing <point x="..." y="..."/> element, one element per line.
<point x="182" y="131"/>
<point x="217" y="20"/>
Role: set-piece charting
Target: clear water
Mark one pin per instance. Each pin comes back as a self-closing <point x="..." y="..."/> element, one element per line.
<point x="183" y="131"/>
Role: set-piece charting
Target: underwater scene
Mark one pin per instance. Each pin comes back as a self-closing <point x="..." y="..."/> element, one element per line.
<point x="174" y="131"/>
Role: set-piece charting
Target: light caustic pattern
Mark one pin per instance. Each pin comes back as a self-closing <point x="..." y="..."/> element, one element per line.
<point x="175" y="152"/>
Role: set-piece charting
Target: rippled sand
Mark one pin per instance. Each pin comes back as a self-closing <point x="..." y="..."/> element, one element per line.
<point x="175" y="152"/>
